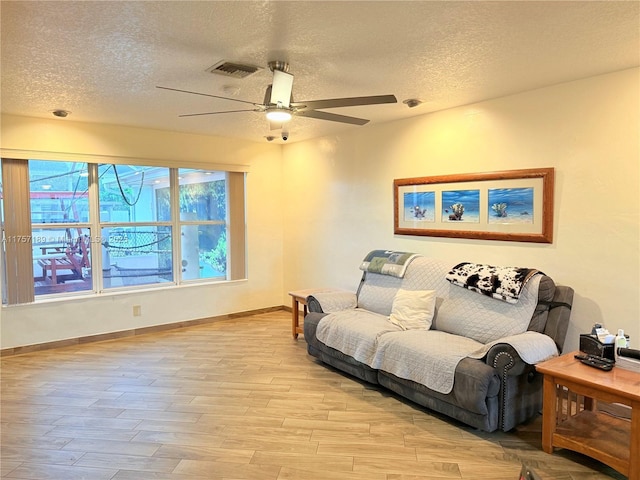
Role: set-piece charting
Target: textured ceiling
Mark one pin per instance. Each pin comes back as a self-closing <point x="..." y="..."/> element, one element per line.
<point x="103" y="60"/>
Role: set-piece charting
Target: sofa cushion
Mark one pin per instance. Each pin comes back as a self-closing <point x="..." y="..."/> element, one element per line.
<point x="354" y="332"/>
<point x="377" y="292"/>
<point x="413" y="309"/>
<point x="331" y="356"/>
<point x="427" y="357"/>
<point x="426" y="273"/>
<point x="486" y="319"/>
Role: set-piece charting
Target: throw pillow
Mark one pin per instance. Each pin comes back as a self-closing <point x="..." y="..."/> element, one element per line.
<point x="413" y="309"/>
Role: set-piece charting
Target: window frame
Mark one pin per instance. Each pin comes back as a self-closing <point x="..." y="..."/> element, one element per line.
<point x="154" y="224"/>
<point x="234" y="223"/>
<point x="197" y="222"/>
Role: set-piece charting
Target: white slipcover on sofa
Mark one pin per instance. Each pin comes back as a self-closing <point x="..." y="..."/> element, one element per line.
<point x="450" y="349"/>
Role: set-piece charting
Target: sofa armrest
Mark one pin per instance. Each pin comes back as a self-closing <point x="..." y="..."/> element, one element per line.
<point x="515" y="352"/>
<point x="520" y="395"/>
<point x="329" y="302"/>
<point x="506" y="360"/>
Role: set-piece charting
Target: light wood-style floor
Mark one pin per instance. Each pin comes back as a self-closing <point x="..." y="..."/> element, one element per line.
<point x="238" y="399"/>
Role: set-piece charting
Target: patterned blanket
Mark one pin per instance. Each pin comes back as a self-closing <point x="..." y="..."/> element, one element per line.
<point x="502" y="283"/>
<point x="387" y="262"/>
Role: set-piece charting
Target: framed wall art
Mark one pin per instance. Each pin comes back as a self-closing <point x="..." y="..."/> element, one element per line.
<point x="513" y="205"/>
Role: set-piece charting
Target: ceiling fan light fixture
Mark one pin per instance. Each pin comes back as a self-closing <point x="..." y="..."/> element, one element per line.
<point x="279" y="115"/>
<point x="279" y="107"/>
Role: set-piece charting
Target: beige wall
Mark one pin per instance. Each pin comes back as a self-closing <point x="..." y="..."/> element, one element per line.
<point x="587" y="130"/>
<point x="315" y="208"/>
<point x="49" y="321"/>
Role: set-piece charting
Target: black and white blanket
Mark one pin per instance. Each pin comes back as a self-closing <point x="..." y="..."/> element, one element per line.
<point x="502" y="283"/>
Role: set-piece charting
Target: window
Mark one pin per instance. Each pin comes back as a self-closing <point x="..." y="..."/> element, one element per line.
<point x="82" y="228"/>
<point x="60" y="228"/>
<point x="203" y="228"/>
<point x="135" y="225"/>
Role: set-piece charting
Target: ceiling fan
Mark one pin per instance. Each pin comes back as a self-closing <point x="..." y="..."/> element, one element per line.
<point x="279" y="107"/>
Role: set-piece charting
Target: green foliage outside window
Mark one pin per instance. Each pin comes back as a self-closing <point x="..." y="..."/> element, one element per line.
<point x="217" y="257"/>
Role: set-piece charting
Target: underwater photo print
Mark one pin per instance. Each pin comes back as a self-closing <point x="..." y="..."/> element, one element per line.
<point x="461" y="206"/>
<point x="510" y="205"/>
<point x="420" y="206"/>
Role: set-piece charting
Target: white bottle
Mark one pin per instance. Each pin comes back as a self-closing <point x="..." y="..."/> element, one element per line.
<point x="621" y="342"/>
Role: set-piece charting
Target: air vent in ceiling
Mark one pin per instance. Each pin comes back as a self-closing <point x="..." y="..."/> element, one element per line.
<point x="235" y="70"/>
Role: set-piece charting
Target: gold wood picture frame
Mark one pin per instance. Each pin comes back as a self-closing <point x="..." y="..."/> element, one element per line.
<point x="512" y="205"/>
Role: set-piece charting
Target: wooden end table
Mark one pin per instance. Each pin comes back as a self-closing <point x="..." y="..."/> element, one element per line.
<point x="570" y="418"/>
<point x="299" y="297"/>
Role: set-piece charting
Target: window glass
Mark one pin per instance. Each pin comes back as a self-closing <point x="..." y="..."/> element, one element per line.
<point x="203" y="195"/>
<point x="59" y="238"/>
<point x="140" y="254"/>
<point x="204" y="251"/>
<point x="128" y="193"/>
<point x="58" y="192"/>
<point x="61" y="260"/>
<point x="203" y="211"/>
<point x="137" y="255"/>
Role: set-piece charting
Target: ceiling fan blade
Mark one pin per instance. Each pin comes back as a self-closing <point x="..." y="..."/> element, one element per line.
<point x="215" y="113"/>
<point x="346" y="102"/>
<point x="206" y="95"/>
<point x="332" y="117"/>
<point x="281" y="88"/>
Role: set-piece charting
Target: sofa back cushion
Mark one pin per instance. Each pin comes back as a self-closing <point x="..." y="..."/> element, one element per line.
<point x="459" y="310"/>
<point x="427" y="274"/>
<point x="485" y="319"/>
<point x="376" y="292"/>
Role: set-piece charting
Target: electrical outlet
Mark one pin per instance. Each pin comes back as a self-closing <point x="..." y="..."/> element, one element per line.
<point x="137" y="310"/>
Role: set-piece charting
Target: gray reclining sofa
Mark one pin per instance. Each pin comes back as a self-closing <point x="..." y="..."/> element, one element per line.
<point x="492" y="388"/>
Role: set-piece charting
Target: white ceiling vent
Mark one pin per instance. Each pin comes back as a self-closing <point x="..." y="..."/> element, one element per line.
<point x="231" y="69"/>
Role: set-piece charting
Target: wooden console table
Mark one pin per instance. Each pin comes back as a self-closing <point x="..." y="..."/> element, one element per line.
<point x="570" y="417"/>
